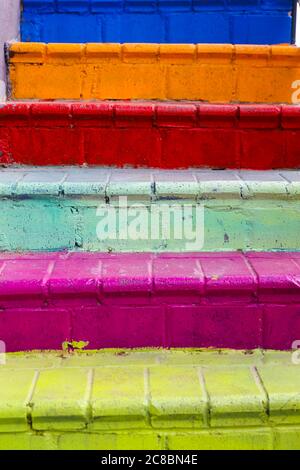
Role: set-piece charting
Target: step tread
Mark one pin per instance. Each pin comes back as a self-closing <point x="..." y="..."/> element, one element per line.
<point x="205" y="184"/>
<point x="153" y="113"/>
<point x="24" y="51"/>
<point x="48" y="274"/>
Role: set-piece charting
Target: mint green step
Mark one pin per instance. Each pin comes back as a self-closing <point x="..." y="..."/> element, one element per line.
<point x="62" y="208"/>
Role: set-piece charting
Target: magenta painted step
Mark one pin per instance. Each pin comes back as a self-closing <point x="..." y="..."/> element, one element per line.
<point x="229" y="300"/>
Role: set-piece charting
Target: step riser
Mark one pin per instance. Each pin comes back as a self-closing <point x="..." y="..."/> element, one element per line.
<point x="44" y="224"/>
<point x="174" y="325"/>
<point x="142" y="210"/>
<point x="145" y="134"/>
<point x="219" y="439"/>
<point x="148" y="21"/>
<point x="230" y="300"/>
<point x="140" y="71"/>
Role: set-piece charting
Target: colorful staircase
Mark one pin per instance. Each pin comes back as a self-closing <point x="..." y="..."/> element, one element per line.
<point x="149" y="229"/>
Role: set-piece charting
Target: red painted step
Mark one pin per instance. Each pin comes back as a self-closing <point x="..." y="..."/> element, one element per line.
<point x="166" y="135"/>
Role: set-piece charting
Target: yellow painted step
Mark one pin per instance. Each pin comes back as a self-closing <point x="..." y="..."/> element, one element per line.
<point x="209" y="72"/>
<point x="156" y="399"/>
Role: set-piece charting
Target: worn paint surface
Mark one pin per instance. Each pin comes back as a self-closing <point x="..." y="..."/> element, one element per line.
<point x="150" y="400"/>
<point x="74" y="301"/>
<point x="163" y="135"/>
<point x="207" y="72"/>
<point x="56" y="209"/>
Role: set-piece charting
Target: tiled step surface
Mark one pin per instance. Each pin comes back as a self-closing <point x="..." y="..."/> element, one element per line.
<point x="235" y="300"/>
<point x="165" y="135"/>
<point x="98" y="209"/>
<point x="206" y="72"/>
<point x="150" y="400"/>
<point x="242" y="21"/>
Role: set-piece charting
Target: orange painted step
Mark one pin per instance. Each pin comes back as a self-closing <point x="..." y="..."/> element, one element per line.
<point x="209" y="72"/>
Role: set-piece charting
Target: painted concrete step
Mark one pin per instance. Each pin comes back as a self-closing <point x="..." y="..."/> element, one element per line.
<point x="165" y="135"/>
<point x="150" y="400"/>
<point x="232" y="300"/>
<point x="209" y="72"/>
<point x="98" y="209"/>
<point x="242" y="21"/>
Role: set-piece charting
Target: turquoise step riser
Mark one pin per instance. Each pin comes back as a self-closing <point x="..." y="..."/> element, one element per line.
<point x="60" y="223"/>
<point x="114" y="210"/>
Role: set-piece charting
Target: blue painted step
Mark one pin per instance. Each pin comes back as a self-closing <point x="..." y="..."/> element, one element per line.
<point x="166" y="21"/>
